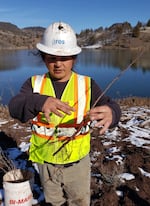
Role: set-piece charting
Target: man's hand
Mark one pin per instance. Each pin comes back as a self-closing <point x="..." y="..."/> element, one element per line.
<point x="56" y="106"/>
<point x="103" y="116"/>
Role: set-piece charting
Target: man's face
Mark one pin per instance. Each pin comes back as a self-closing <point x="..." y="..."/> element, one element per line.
<point x="60" y="67"/>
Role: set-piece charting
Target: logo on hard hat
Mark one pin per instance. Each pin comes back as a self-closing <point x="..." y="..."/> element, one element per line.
<point x="58" y="41"/>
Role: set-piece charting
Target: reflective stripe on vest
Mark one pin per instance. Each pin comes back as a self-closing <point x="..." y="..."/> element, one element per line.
<point x="48" y="133"/>
<point x="38" y="83"/>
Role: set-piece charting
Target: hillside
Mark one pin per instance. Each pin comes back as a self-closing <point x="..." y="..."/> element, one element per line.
<point x="126" y="41"/>
<point x="119" y="35"/>
<point x="12" y="37"/>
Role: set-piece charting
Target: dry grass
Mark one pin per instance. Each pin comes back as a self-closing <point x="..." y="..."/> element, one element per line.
<point x="4" y="113"/>
<point x="134" y="101"/>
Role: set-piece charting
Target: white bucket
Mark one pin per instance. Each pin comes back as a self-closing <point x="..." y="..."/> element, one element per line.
<point x="17" y="188"/>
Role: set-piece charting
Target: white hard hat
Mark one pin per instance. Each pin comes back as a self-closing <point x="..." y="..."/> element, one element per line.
<point x="59" y="39"/>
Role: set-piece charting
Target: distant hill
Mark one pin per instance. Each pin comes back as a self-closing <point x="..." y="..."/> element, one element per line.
<point x="119" y="35"/>
<point x="8" y="27"/>
<point x="12" y="37"/>
<point x="34" y="29"/>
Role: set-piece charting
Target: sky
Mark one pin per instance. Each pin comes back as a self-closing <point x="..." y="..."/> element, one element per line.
<point x="80" y="14"/>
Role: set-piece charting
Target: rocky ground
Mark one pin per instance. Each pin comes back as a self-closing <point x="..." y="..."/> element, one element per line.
<point x="120" y="159"/>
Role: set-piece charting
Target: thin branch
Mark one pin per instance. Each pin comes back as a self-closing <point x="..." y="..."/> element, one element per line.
<point x="6" y="164"/>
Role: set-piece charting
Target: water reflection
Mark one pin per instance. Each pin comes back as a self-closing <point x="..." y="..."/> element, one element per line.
<point x="101" y="65"/>
<point x="16" y="59"/>
<point x="115" y="58"/>
<point x="9" y="60"/>
<point x="105" y="65"/>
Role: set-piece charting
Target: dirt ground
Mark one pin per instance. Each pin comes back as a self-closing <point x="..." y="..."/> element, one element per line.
<point x="111" y="155"/>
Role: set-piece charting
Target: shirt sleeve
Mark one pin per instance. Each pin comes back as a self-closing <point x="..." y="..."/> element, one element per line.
<point x="26" y="105"/>
<point x="105" y="100"/>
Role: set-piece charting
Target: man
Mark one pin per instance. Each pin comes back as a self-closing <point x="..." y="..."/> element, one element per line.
<point x="60" y="106"/>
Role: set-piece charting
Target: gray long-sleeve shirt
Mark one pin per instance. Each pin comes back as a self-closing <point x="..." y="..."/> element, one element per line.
<point x="26" y="105"/>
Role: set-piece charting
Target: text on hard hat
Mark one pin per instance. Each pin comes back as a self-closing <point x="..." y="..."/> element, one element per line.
<point x="58" y="41"/>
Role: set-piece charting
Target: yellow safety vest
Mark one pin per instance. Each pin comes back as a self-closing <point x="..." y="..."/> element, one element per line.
<point x="48" y="140"/>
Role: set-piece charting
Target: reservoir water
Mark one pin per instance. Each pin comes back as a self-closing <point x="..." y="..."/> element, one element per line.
<point x="102" y="65"/>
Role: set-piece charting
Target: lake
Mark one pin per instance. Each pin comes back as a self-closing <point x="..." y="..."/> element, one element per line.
<point x="102" y="65"/>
